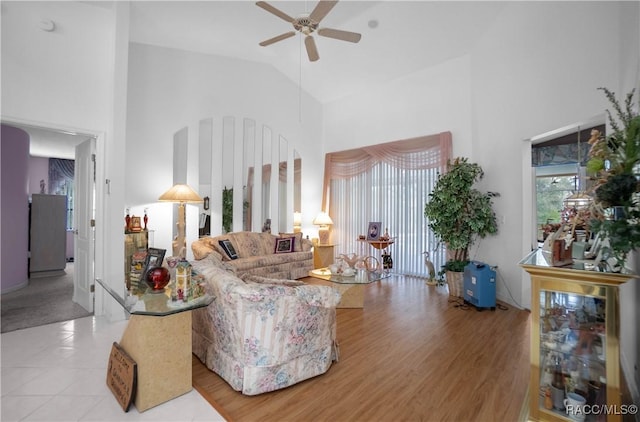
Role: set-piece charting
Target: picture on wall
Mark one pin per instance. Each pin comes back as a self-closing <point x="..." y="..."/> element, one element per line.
<point x="373" y="233"/>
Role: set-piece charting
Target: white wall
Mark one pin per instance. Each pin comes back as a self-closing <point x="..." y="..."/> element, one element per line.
<point x="44" y="77"/>
<point x="170" y="89"/>
<point x="543" y="76"/>
<point x="426" y="102"/>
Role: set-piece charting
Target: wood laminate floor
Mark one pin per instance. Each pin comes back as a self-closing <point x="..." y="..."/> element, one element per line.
<point x="409" y="355"/>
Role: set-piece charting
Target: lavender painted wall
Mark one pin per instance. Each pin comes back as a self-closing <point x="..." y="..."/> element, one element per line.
<point x="14" y="242"/>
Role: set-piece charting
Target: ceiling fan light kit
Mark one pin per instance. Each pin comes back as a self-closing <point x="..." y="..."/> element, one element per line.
<point x="307" y="24"/>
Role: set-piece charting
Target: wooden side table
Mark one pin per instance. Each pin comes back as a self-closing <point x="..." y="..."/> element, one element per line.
<point x="323" y="256"/>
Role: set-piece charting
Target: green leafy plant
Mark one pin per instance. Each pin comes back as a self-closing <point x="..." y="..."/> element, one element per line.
<point x="614" y="163"/>
<point x="619" y="153"/>
<point x="227" y="209"/>
<point x="457" y="213"/>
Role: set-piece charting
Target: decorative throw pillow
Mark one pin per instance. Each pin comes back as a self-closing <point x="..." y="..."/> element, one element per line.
<point x="284" y="244"/>
<point x="228" y="248"/>
<point x="297" y="244"/>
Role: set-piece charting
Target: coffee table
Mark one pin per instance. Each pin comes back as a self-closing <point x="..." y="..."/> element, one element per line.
<point x="352" y="291"/>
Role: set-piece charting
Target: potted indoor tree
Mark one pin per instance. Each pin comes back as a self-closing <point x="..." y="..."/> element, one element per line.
<point x="458" y="214"/>
<point x="614" y="164"/>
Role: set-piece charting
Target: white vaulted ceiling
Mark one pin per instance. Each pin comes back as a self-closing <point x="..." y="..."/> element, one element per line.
<point x="398" y="37"/>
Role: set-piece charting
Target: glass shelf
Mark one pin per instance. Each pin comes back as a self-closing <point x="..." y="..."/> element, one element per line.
<point x="146" y="302"/>
<point x="572" y="350"/>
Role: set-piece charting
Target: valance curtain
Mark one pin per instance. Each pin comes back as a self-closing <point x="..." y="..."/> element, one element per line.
<point x="426" y="152"/>
<point x="387" y="183"/>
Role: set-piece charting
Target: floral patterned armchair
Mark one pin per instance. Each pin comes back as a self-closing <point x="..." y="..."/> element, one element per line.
<point x="263" y="334"/>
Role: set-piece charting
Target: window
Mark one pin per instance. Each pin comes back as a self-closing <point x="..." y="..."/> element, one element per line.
<point x="61" y="183"/>
<point x="389" y="183"/>
<point x="551" y="191"/>
<point x="560" y="172"/>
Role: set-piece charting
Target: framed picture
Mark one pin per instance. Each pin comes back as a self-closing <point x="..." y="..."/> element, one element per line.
<point x="373" y="232"/>
<point x="155" y="257"/>
<point x="136" y="225"/>
<point x="284" y="245"/>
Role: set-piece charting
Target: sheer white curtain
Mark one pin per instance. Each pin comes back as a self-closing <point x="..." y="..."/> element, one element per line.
<point x="389" y="183"/>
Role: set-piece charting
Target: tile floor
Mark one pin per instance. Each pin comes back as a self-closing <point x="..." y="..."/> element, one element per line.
<point x="57" y="372"/>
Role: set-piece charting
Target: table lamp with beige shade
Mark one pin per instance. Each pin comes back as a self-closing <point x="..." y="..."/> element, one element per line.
<point x="182" y="194"/>
<point x="324" y="221"/>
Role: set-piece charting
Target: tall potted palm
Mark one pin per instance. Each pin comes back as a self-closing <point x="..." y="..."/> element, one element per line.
<point x="458" y="214"/>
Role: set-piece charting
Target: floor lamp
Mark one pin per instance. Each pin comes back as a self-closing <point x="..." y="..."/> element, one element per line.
<point x="182" y="194"/>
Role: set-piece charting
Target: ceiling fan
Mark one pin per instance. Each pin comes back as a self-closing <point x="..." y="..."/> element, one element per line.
<point x="307" y="24"/>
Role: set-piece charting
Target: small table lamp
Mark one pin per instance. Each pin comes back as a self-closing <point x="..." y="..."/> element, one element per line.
<point x="324" y="221"/>
<point x="181" y="194"/>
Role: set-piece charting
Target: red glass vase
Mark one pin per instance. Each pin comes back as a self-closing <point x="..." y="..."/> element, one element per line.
<point x="158" y="278"/>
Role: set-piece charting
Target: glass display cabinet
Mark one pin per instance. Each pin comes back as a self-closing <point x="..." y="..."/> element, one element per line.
<point x="575" y="365"/>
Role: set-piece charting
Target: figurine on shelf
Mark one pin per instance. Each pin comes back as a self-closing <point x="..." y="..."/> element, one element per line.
<point x="350" y="259"/>
<point x="548" y="402"/>
<point x="145" y="219"/>
<point x="387" y="261"/>
<point x="127" y="221"/>
<point x="385" y="236"/>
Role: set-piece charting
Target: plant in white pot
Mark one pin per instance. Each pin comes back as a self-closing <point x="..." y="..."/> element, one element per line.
<point x="458" y="214"/>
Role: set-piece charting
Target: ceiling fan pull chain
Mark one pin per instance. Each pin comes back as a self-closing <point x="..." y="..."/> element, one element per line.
<point x="300" y="81"/>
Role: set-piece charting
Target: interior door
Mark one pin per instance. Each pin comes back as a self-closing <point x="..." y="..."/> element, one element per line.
<point x="84" y="222"/>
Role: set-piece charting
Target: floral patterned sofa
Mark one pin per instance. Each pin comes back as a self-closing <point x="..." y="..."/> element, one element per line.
<point x="262" y="334"/>
<point x="287" y="256"/>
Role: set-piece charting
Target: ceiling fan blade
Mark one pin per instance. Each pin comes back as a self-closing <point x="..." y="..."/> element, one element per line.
<point x="321" y="10"/>
<point x="312" y="51"/>
<point x="278" y="38"/>
<point x="340" y="35"/>
<point x="266" y="6"/>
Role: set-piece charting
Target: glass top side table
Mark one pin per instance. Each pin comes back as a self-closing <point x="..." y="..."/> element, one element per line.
<point x="144" y="302"/>
<point x="158" y="339"/>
